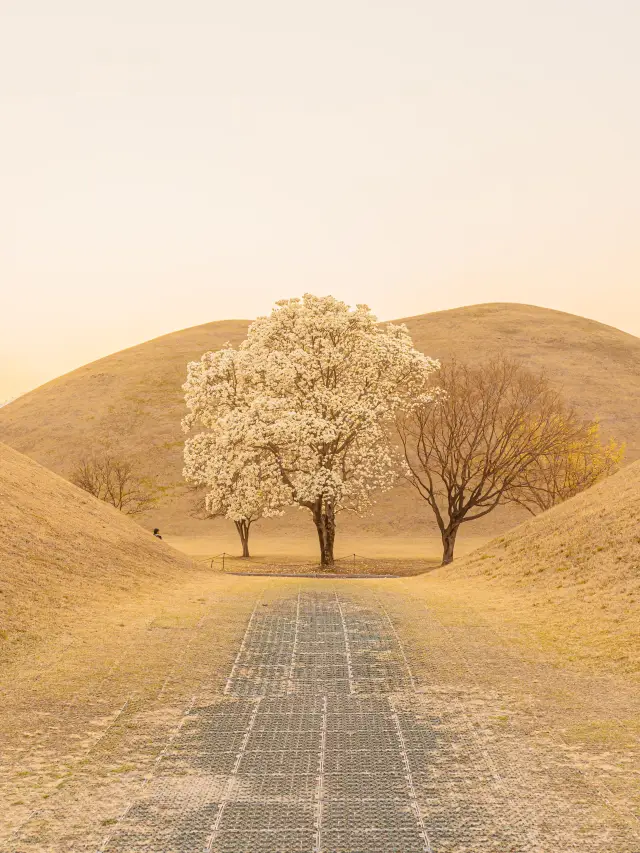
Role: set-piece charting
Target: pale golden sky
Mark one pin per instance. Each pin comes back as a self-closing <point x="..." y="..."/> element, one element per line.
<point x="167" y="164"/>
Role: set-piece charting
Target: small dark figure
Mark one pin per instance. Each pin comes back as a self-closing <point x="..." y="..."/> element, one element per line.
<point x="156" y="533"/>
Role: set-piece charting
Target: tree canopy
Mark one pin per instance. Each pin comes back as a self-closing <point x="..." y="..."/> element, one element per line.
<point x="497" y="434"/>
<point x="299" y="412"/>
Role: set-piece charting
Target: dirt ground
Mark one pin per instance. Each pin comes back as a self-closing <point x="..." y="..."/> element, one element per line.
<point x="90" y="718"/>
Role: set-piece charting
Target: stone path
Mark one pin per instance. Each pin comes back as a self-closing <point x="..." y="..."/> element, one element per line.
<point x="320" y="743"/>
<point x="304" y="752"/>
<point x="334" y="732"/>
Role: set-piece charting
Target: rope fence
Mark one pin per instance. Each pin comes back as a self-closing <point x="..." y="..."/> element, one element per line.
<point x="225" y="556"/>
<point x="211" y="560"/>
<point x="352" y="557"/>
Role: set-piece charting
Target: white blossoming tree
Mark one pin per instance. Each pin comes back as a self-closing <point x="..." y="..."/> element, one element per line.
<point x="238" y="487"/>
<point x="299" y="414"/>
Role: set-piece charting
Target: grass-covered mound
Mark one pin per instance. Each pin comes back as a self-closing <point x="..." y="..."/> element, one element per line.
<point x="578" y="567"/>
<point x="62" y="550"/>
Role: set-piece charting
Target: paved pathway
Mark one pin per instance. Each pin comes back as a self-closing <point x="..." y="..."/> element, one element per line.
<point x="320" y="745"/>
<point x="330" y="736"/>
<point x="305" y="752"/>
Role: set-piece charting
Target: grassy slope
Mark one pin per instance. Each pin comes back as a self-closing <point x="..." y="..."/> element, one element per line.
<point x="597" y="367"/>
<point x="573" y="573"/>
<point x="63" y="550"/>
<point x="133" y="399"/>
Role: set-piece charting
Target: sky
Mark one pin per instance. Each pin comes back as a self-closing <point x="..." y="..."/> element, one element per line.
<point x="169" y="164"/>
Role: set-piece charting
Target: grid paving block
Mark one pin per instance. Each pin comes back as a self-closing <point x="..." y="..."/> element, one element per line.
<point x="268" y="741"/>
<point x="255" y="841"/>
<point x="222" y="707"/>
<point x="461" y="828"/>
<point x="374" y="724"/>
<point x="365" y="786"/>
<point x="150" y="829"/>
<point x="210" y="762"/>
<point x="272" y="625"/>
<point x="241" y="686"/>
<point x="394" y="672"/>
<point x="290" y="705"/>
<point x="191" y="791"/>
<point x="350" y="741"/>
<point x="275" y="786"/>
<point x="262" y="671"/>
<point x="321" y="616"/>
<point x="279" y="816"/>
<point x="373" y="671"/>
<point x="379" y="841"/>
<point x="305" y="752"/>
<point x="320" y="687"/>
<point x="354" y="705"/>
<point x="221" y="723"/>
<point x="392" y="816"/>
<point x="295" y="763"/>
<point x="409" y="719"/>
<point x="369" y="638"/>
<point x="287" y="723"/>
<point x="270" y="644"/>
<point x="196" y="738"/>
<point x="423" y="740"/>
<point x="325" y="657"/>
<point x="318" y="671"/>
<point x="371" y="688"/>
<point x="276" y="657"/>
<point x="332" y="644"/>
<point x="448" y="762"/>
<point x="364" y="761"/>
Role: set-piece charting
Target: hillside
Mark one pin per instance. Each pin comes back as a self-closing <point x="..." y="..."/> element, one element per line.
<point x="63" y="550"/>
<point x="132" y="401"/>
<point x="579" y="565"/>
<point x="597" y="367"/>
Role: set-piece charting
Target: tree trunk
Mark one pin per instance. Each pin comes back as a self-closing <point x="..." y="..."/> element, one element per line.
<point x="243" y="532"/>
<point x="448" y="544"/>
<point x="325" y="521"/>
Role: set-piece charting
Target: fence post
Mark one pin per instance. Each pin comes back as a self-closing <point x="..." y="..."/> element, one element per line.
<point x="223" y="561"/>
<point x="354" y="562"/>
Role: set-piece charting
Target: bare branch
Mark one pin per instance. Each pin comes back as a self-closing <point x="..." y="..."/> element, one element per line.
<point x="499" y="434"/>
<point x="115" y="482"/>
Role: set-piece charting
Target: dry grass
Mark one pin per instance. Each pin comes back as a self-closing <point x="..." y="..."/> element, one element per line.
<point x="63" y="550"/>
<point x="123" y="631"/>
<point x="299" y="555"/>
<point x="133" y="397"/>
<point x="552" y="710"/>
<point x="571" y="576"/>
<point x="352" y="566"/>
<point x="88" y="711"/>
<point x="83" y="727"/>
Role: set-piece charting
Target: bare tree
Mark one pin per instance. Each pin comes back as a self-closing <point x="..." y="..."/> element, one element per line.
<point x="115" y="482"/>
<point x="494" y="425"/>
<point x="556" y="477"/>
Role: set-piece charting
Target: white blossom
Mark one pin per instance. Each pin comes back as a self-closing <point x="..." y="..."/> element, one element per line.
<point x="299" y="413"/>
